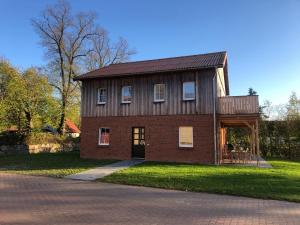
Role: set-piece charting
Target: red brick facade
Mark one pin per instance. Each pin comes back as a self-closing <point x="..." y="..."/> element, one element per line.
<point x="161" y="138"/>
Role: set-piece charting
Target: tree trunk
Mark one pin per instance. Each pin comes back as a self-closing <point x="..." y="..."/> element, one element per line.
<point x="61" y="126"/>
<point x="28" y="121"/>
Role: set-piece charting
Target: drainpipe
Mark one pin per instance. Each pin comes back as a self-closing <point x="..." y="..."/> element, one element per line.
<point x="215" y="122"/>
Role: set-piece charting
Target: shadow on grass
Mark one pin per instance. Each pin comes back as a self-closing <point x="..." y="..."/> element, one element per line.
<point x="63" y="163"/>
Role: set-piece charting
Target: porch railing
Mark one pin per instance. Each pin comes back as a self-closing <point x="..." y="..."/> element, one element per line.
<point x="238" y="104"/>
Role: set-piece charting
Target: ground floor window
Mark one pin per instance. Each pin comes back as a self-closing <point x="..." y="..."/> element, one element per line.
<point x="104" y="136"/>
<point x="185" y="136"/>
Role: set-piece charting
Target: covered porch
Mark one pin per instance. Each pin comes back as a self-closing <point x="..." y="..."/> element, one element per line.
<point x="238" y="112"/>
<point x="238" y="153"/>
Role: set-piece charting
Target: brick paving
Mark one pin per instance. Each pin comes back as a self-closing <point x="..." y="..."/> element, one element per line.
<point x="41" y="200"/>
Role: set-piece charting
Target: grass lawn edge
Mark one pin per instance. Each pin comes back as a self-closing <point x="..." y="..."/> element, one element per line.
<point x="273" y="194"/>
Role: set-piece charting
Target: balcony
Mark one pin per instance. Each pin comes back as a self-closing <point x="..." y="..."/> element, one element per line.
<point x="233" y="105"/>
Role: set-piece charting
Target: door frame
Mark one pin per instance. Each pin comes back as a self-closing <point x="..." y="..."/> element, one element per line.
<point x="139" y="138"/>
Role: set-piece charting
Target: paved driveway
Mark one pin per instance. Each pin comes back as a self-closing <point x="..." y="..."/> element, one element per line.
<point x="40" y="200"/>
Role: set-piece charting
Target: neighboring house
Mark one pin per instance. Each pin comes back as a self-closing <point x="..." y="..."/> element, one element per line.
<point x="12" y="129"/>
<point x="49" y="129"/>
<point x="173" y="109"/>
<point x="71" y="129"/>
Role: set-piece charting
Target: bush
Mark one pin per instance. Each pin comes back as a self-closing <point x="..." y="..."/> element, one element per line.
<point x="8" y="138"/>
<point x="35" y="138"/>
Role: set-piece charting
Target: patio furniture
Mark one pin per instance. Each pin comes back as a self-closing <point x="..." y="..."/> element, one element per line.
<point x="240" y="155"/>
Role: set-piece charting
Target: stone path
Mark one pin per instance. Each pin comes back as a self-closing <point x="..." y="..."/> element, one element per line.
<point x="33" y="200"/>
<point x="103" y="171"/>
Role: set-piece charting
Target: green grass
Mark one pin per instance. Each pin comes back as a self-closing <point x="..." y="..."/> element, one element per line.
<point x="48" y="164"/>
<point x="282" y="182"/>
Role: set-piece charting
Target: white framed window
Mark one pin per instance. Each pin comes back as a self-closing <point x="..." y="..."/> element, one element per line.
<point x="186" y="137"/>
<point x="126" y="94"/>
<point x="104" y="136"/>
<point x="159" y="92"/>
<point x="102" y="96"/>
<point x="188" y="90"/>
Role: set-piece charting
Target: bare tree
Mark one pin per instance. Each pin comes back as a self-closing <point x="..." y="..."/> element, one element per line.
<point x="104" y="53"/>
<point x="71" y="40"/>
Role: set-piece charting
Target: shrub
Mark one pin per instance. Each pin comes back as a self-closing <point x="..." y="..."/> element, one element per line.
<point x="8" y="138"/>
<point x="34" y="138"/>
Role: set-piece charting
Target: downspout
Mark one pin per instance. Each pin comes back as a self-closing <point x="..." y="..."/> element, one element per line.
<point x="215" y="119"/>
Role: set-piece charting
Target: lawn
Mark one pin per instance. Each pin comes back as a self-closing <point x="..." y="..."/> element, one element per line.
<point x="282" y="182"/>
<point x="48" y="164"/>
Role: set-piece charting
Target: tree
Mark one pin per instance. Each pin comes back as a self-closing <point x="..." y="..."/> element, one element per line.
<point x="10" y="113"/>
<point x="251" y="92"/>
<point x="37" y="93"/>
<point x="25" y="97"/>
<point x="293" y="106"/>
<point x="72" y="40"/>
<point x="104" y="53"/>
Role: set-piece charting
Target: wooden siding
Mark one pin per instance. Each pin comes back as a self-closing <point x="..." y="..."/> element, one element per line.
<point x="233" y="105"/>
<point x="142" y="95"/>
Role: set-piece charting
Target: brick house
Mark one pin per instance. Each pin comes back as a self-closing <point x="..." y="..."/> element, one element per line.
<point x="173" y="109"/>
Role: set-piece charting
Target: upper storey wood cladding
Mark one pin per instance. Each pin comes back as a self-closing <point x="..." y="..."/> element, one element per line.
<point x="143" y="95"/>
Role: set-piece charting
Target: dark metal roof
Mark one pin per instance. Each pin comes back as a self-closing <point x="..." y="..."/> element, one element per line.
<point x="183" y="63"/>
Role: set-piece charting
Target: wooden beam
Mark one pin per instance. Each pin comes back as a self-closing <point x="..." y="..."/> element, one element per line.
<point x="248" y="125"/>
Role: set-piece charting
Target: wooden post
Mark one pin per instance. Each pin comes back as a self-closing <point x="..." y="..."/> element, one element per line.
<point x="219" y="133"/>
<point x="253" y="139"/>
<point x="221" y="146"/>
<point x="257" y="142"/>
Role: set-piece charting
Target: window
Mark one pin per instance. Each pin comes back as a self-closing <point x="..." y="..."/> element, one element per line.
<point x="185" y="136"/>
<point x="104" y="136"/>
<point x="159" y="92"/>
<point x="188" y="90"/>
<point x="126" y="94"/>
<point x="101" y="96"/>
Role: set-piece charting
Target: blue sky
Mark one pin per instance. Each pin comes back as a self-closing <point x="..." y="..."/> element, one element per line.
<point x="262" y="38"/>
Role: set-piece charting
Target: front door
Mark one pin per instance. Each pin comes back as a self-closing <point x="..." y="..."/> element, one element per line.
<point x="138" y="142"/>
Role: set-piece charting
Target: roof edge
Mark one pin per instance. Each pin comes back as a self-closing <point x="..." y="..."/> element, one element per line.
<point x="86" y="77"/>
<point x="82" y="77"/>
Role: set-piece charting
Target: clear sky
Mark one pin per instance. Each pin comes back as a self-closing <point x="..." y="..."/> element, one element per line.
<point x="262" y="37"/>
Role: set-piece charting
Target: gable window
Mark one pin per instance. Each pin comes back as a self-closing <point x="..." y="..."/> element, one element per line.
<point x="186" y="137"/>
<point x="188" y="90"/>
<point x="102" y="96"/>
<point x="104" y="136"/>
<point x="126" y="94"/>
<point x="159" y="92"/>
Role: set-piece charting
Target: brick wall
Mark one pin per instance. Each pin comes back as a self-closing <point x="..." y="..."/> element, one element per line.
<point x="161" y="137"/>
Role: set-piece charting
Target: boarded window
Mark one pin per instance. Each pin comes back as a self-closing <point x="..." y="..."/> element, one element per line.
<point x="159" y="92"/>
<point x="126" y="94"/>
<point x="104" y="136"/>
<point x="185" y="136"/>
<point x="188" y="90"/>
<point x="101" y="96"/>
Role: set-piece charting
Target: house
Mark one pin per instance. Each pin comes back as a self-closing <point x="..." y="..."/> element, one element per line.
<point x="71" y="129"/>
<point x="173" y="109"/>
